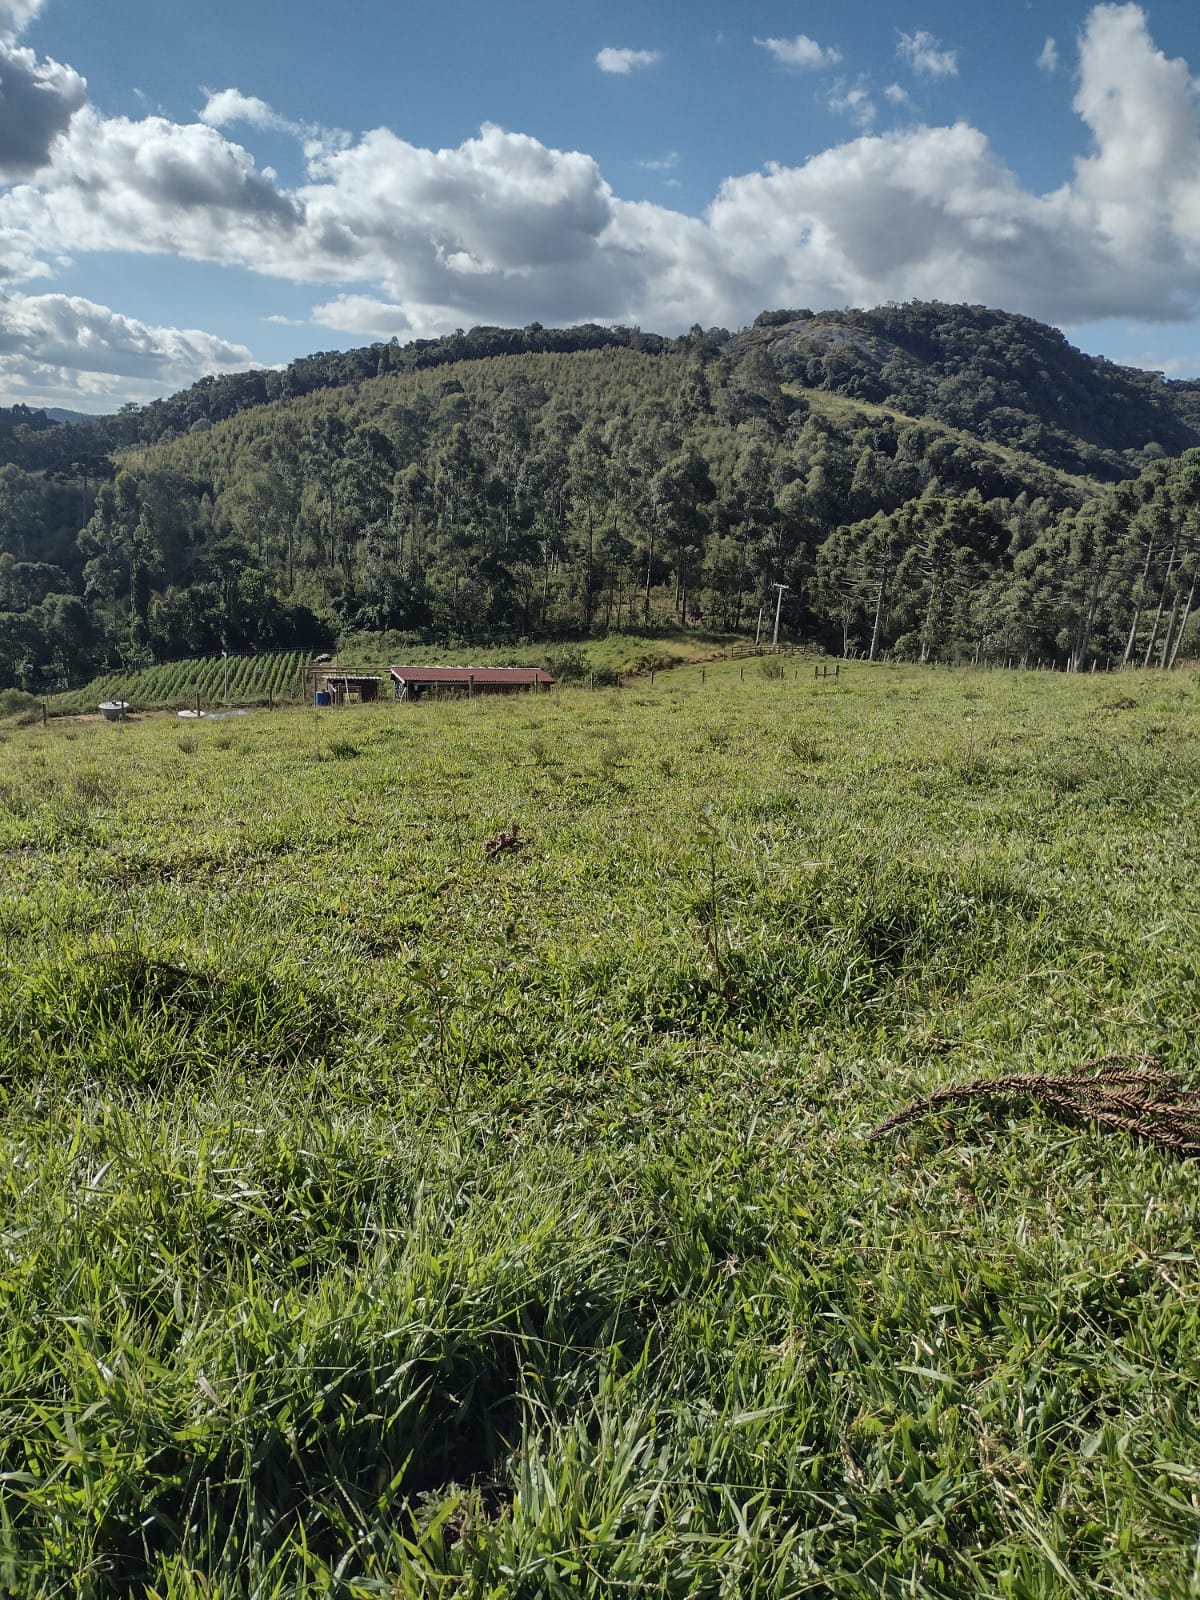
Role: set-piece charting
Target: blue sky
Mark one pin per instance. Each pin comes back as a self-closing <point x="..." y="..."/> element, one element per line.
<point x="192" y="189"/>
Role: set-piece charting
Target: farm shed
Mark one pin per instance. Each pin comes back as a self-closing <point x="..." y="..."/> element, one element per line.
<point x="352" y="688"/>
<point x="410" y="683"/>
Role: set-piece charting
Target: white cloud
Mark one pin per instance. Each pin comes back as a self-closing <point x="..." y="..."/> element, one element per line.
<point x="853" y="100"/>
<point x="1048" y="60"/>
<point x="622" y="61"/>
<point x="37" y="101"/>
<point x="231" y="105"/>
<point x="224" y="107"/>
<point x="801" y="52"/>
<point x="666" y="163"/>
<point x="37" y="98"/>
<point x="1169" y="366"/>
<point x="360" y="314"/>
<point x="925" y="55"/>
<point x="62" y="346"/>
<point x="151" y="185"/>
<point x="16" y="15"/>
<point x="895" y="94"/>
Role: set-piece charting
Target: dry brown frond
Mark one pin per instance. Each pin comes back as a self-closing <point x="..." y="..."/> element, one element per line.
<point x="1124" y="1094"/>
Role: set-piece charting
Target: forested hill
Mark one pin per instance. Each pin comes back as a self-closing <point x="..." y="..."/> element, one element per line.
<point x="25" y="441"/>
<point x="1004" y="378"/>
<point x="534" y="483"/>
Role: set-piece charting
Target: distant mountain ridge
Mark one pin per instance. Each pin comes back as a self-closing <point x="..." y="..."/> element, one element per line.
<point x="1006" y="378"/>
<point x="59" y="414"/>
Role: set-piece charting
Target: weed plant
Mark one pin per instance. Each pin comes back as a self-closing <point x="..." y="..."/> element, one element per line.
<point x="382" y="1214"/>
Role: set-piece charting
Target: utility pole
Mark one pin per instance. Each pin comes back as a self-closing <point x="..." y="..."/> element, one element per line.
<point x="758" y="630"/>
<point x="784" y="588"/>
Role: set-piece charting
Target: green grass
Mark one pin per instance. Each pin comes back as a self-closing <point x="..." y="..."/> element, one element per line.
<point x="379" y="1217"/>
<point x="606" y="657"/>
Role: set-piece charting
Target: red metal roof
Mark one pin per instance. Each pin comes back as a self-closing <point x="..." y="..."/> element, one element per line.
<point x="484" y="677"/>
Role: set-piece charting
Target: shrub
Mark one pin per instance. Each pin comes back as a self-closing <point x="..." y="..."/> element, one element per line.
<point x="569" y="665"/>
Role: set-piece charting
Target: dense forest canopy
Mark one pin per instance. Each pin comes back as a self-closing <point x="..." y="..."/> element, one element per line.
<point x="936" y="482"/>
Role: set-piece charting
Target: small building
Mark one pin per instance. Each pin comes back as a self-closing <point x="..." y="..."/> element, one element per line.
<point x="351" y="688"/>
<point x="411" y="683"/>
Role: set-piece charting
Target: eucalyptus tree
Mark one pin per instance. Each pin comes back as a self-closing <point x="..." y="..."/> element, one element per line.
<point x="590" y="490"/>
<point x="681" y="492"/>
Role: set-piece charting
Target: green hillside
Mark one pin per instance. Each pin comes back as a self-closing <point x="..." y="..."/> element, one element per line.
<point x="1004" y="378"/>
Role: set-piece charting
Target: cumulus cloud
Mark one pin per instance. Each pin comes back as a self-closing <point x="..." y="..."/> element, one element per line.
<point x="225" y="107"/>
<point x="16" y="15"/>
<point x="37" y="98"/>
<point x="494" y="216"/>
<point x="230" y="105"/>
<point x="935" y="212"/>
<point x="1048" y="59"/>
<point x="896" y="94"/>
<point x="925" y="55"/>
<point x="801" y="52"/>
<point x="360" y="314"/>
<point x="153" y="186"/>
<point x="37" y="101"/>
<point x="1139" y="187"/>
<point x="64" y="346"/>
<point x="623" y="61"/>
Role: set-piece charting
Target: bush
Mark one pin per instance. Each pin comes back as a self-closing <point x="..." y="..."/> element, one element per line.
<point x="569" y="665"/>
<point x="14" y="701"/>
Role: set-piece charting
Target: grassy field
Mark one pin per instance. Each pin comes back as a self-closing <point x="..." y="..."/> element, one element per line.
<point x="606" y="656"/>
<point x="392" y="1204"/>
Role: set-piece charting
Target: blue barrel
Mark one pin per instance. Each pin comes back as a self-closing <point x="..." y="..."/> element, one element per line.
<point x="324" y="698"/>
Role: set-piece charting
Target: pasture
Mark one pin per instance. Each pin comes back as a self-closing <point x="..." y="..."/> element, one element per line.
<point x="434" y="1147"/>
